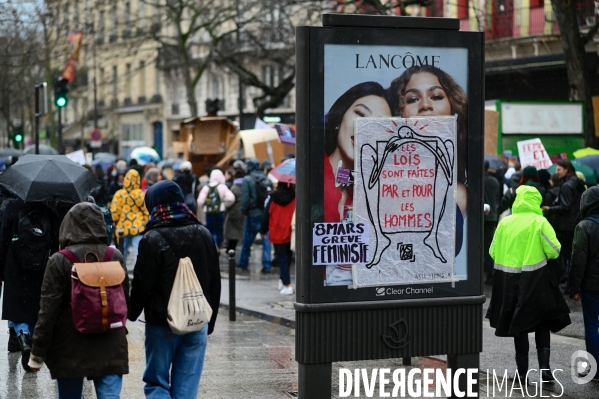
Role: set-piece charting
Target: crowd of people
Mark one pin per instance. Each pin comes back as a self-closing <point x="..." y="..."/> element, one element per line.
<point x="544" y="243"/>
<point x="181" y="215"/>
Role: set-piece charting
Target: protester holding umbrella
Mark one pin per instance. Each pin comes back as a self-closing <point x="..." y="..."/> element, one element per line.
<point x="46" y="187"/>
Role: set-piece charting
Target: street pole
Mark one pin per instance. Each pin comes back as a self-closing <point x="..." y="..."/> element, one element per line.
<point x="37" y="120"/>
<point x="59" y="131"/>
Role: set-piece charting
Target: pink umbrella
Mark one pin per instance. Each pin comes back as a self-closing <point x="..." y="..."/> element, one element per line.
<point x="285" y="172"/>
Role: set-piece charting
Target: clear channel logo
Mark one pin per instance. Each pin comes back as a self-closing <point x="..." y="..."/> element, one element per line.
<point x="583" y="367"/>
<point x="380" y="291"/>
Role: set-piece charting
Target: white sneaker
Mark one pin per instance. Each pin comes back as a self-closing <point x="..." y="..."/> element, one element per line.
<point x="287" y="291"/>
<point x="281" y="286"/>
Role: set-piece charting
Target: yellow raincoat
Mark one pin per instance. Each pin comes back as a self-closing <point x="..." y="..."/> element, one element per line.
<point x="128" y="209"/>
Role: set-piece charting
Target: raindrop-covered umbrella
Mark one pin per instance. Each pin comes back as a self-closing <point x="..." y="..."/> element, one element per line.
<point x="105" y="156"/>
<point x="590" y="160"/>
<point x="589" y="173"/>
<point x="49" y="179"/>
<point x="10" y="152"/>
<point x="44" y="150"/>
<point x="285" y="172"/>
<point x="494" y="162"/>
<point x="171" y="162"/>
<point x="145" y="155"/>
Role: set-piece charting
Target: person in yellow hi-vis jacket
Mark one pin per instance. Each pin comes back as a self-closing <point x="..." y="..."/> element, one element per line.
<point x="526" y="296"/>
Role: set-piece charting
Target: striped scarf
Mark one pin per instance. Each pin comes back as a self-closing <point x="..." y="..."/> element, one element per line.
<point x="172" y="211"/>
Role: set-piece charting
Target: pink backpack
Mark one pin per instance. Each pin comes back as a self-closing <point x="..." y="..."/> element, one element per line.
<point x="98" y="301"/>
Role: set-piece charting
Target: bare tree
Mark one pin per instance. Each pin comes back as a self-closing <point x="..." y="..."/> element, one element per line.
<point x="573" y="43"/>
<point x="188" y="32"/>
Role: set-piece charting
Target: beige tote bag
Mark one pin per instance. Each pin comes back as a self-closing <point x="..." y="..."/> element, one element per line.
<point x="188" y="310"/>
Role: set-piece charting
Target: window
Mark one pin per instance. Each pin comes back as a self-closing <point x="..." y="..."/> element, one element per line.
<point x="141" y="15"/>
<point x="101" y="84"/>
<point x="115" y="83"/>
<point x="115" y="24"/>
<point x="86" y="12"/>
<point x="101" y="27"/>
<point x="132" y="136"/>
<point x="57" y="20"/>
<point x="142" y="79"/>
<point x="128" y="81"/>
<point x="157" y="80"/>
<point x="127" y="15"/>
<point x="65" y="17"/>
<point x="76" y="21"/>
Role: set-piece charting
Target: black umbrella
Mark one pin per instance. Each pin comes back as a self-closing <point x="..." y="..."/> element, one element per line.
<point x="49" y="179"/>
<point x="10" y="152"/>
<point x="44" y="150"/>
<point x="495" y="163"/>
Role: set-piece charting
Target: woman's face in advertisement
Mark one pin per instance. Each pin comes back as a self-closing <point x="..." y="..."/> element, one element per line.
<point x="369" y="106"/>
<point x="425" y="97"/>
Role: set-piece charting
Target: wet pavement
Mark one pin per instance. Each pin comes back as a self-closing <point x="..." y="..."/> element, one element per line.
<point x="254" y="356"/>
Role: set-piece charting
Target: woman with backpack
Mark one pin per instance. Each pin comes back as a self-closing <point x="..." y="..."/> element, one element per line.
<point x="71" y="355"/>
<point x="215" y="197"/>
<point x="278" y="215"/>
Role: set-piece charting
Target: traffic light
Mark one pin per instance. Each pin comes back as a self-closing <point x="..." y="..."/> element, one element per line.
<point x="17" y="136"/>
<point x="60" y="92"/>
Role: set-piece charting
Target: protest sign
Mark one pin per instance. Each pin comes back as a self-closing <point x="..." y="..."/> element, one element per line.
<point x="532" y="153"/>
<point x="340" y="243"/>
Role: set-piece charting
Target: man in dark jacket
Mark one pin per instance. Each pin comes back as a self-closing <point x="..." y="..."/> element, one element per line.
<point x="584" y="272"/>
<point x="492" y="196"/>
<point x="253" y="208"/>
<point x="172" y="233"/>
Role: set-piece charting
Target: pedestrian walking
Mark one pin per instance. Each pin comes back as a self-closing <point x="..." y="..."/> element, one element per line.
<point x="174" y="363"/>
<point x="278" y="215"/>
<point x="69" y="354"/>
<point x="28" y="236"/>
<point x="215" y="197"/>
<point x="255" y="189"/>
<point x="565" y="212"/>
<point x="584" y="273"/>
<point x="129" y="213"/>
<point x="525" y="295"/>
<point x="491" y="197"/>
<point x="235" y="219"/>
<point x="188" y="182"/>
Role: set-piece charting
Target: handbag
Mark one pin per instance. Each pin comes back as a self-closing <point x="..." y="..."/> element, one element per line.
<point x="187" y="310"/>
<point x="98" y="301"/>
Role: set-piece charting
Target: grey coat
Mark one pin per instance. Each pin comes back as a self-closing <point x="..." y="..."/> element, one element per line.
<point x="235" y="218"/>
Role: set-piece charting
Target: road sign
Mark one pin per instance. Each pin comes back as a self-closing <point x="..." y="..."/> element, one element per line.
<point x="96" y="135"/>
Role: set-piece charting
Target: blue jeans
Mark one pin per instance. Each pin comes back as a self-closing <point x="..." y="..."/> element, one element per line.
<point x="283" y="252"/>
<point x="128" y="240"/>
<point x="215" y="222"/>
<point x="186" y="355"/>
<point x="107" y="387"/>
<point x="25" y="327"/>
<point x="590" y="313"/>
<point x="250" y="229"/>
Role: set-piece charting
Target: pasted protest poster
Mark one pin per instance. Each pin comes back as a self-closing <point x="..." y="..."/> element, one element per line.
<point x="405" y="191"/>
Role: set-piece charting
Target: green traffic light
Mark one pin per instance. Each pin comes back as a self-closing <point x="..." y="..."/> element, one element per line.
<point x="61" y="101"/>
<point x="18" y="138"/>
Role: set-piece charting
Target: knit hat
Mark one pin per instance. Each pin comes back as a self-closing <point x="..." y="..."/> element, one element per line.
<point x="164" y="192"/>
<point x="530" y="171"/>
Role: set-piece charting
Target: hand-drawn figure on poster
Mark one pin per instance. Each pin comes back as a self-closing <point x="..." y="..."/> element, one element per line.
<point x="405" y="188"/>
<point x="413" y="181"/>
<point x="384" y="81"/>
